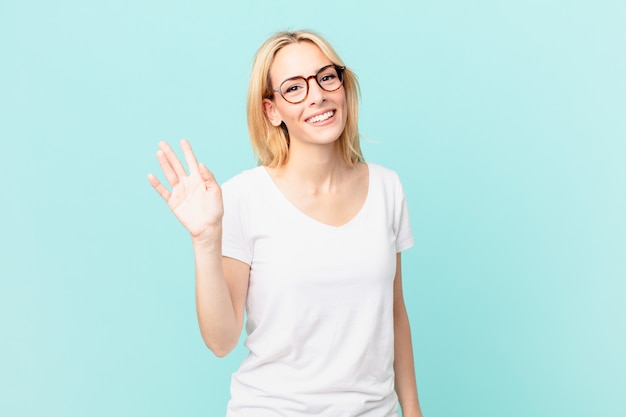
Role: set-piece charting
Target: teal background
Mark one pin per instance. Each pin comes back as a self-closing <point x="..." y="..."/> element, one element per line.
<point x="505" y="119"/>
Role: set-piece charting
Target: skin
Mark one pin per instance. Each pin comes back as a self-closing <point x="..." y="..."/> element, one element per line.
<point x="315" y="179"/>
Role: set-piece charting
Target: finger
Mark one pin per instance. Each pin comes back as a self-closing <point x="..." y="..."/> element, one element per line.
<point x="190" y="157"/>
<point x="160" y="188"/>
<point x="170" y="175"/>
<point x="172" y="159"/>
<point x="205" y="174"/>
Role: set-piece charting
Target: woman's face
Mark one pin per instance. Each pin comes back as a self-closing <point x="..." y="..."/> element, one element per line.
<point x="321" y="117"/>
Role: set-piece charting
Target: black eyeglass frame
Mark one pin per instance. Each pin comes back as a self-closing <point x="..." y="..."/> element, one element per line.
<point x="339" y="68"/>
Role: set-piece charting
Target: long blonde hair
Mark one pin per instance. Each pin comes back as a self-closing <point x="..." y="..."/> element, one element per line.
<point x="271" y="143"/>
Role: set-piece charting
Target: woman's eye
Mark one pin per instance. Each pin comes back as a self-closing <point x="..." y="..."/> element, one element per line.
<point x="327" y="77"/>
<point x="292" y="88"/>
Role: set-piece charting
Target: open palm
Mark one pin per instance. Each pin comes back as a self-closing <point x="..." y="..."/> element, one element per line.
<point x="195" y="197"/>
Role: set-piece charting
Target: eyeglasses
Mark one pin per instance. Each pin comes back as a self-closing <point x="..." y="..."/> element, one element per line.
<point x="296" y="89"/>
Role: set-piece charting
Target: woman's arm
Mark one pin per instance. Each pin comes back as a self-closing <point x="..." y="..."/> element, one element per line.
<point x="221" y="283"/>
<point x="406" y="387"/>
<point x="221" y="290"/>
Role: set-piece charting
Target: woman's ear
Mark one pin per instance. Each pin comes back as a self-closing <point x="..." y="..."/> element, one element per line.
<point x="271" y="112"/>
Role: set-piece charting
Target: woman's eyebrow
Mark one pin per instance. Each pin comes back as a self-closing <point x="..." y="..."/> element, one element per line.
<point x="312" y="75"/>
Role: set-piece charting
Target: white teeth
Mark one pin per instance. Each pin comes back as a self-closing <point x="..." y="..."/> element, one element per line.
<point x="321" y="117"/>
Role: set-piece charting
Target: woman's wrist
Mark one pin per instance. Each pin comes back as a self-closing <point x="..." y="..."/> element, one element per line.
<point x="210" y="238"/>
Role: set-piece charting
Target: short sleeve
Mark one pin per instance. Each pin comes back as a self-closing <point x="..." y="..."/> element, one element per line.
<point x="235" y="237"/>
<point x="402" y="223"/>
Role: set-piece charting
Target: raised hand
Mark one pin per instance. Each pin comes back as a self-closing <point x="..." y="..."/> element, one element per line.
<point x="195" y="198"/>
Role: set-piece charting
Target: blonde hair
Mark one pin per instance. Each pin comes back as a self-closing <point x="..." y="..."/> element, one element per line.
<point x="271" y="143"/>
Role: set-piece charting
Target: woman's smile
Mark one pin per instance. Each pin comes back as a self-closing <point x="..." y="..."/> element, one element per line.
<point x="320" y="118"/>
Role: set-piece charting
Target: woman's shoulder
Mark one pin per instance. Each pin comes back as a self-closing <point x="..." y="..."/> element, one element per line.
<point x="382" y="173"/>
<point x="247" y="179"/>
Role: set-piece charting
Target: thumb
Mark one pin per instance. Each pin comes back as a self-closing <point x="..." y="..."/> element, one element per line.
<point x="205" y="174"/>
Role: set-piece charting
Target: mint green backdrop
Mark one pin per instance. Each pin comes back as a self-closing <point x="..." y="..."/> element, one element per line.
<point x="505" y="119"/>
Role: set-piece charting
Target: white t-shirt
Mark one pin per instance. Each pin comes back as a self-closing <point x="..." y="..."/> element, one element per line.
<point x="320" y="300"/>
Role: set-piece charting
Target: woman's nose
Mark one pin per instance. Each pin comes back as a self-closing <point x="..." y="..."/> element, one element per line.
<point x="316" y="93"/>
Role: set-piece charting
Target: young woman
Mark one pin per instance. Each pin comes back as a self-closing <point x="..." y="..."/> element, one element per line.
<point x="308" y="244"/>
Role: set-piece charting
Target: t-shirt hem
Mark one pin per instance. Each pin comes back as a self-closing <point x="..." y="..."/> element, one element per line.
<point x="402" y="246"/>
<point x="238" y="257"/>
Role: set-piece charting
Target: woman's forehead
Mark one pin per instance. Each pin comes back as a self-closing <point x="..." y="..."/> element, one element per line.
<point x="297" y="59"/>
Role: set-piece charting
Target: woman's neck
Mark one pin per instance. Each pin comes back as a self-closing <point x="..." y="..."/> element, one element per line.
<point x="316" y="167"/>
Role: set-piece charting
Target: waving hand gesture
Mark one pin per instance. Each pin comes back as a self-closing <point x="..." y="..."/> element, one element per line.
<point x="195" y="198"/>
